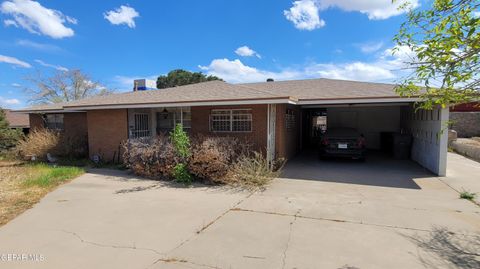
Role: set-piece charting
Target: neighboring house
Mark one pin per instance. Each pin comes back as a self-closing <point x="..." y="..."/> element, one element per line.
<point x="465" y="119"/>
<point x="17" y="120"/>
<point x="278" y="118"/>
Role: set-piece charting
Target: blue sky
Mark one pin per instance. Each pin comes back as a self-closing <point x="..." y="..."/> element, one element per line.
<point x="240" y="41"/>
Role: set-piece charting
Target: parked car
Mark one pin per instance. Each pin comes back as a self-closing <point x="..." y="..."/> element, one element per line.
<point x="343" y="142"/>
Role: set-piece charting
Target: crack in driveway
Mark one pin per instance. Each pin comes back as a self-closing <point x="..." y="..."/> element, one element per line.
<point x="110" y="246"/>
<point x="284" y="257"/>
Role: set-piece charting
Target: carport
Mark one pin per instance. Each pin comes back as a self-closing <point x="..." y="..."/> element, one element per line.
<point x="379" y="121"/>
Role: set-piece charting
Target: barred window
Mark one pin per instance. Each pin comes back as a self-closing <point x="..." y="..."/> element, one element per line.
<point x="54" y="122"/>
<point x="290" y="120"/>
<point x="231" y="120"/>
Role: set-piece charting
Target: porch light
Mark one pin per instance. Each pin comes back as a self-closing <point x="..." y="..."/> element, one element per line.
<point x="164" y="113"/>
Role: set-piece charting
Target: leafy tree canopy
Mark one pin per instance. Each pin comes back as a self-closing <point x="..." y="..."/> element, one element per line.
<point x="445" y="39"/>
<point x="181" y="77"/>
<point x="64" y="86"/>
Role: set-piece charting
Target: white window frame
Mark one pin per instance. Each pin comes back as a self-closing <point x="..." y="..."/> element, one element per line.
<point x="231" y="120"/>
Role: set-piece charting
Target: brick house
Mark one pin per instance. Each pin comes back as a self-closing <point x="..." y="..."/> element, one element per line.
<point x="278" y="118"/>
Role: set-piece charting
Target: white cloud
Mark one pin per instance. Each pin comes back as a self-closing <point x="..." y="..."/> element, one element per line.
<point x="245" y="51"/>
<point x="385" y="68"/>
<point x="122" y="15"/>
<point x="14" y="61"/>
<point x="304" y="15"/>
<point x="476" y="14"/>
<point x="10" y="23"/>
<point x="35" y="18"/>
<point x="16" y="85"/>
<point x="370" y="47"/>
<point x="7" y="101"/>
<point x="58" y="67"/>
<point x="38" y="46"/>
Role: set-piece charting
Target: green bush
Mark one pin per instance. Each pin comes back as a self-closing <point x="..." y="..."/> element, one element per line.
<point x="180" y="141"/>
<point x="8" y="137"/>
<point x="181" y="174"/>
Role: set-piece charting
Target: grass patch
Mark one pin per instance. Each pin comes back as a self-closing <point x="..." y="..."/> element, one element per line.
<point x="23" y="185"/>
<point x="467" y="195"/>
<point x="48" y="176"/>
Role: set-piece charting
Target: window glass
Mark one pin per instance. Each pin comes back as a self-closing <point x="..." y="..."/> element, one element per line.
<point x="54" y="122"/>
<point x="231" y="120"/>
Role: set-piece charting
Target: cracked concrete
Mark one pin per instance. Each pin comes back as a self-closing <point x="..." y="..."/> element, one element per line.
<point x="109" y="219"/>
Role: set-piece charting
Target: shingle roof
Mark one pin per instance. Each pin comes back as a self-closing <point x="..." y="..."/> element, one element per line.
<point x="200" y="92"/>
<point x="219" y="91"/>
<point x="314" y="89"/>
<point x="16" y="119"/>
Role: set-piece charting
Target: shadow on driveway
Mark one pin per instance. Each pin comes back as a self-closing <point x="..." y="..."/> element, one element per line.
<point x="378" y="170"/>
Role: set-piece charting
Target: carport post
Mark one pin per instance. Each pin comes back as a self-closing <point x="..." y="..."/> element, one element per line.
<point x="443" y="141"/>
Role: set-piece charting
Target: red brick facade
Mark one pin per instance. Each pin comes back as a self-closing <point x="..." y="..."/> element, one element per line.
<point x="36" y="122"/>
<point x="287" y="140"/>
<point x="107" y="129"/>
<point x="258" y="135"/>
<point x="75" y="124"/>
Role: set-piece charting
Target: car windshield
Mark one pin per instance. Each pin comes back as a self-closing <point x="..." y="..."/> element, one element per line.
<point x="342" y="132"/>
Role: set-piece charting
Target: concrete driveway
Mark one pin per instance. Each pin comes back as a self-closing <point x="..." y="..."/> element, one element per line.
<point x="372" y="215"/>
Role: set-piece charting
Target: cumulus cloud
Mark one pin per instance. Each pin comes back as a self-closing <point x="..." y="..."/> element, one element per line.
<point x="14" y="61"/>
<point x="57" y="67"/>
<point x="384" y="68"/>
<point x="122" y="15"/>
<point x="37" y="19"/>
<point x="245" y="51"/>
<point x="305" y="13"/>
<point x="7" y="101"/>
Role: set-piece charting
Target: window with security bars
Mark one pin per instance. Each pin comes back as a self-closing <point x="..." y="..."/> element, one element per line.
<point x="231" y="120"/>
<point x="142" y="125"/>
<point x="290" y="120"/>
<point x="54" y="122"/>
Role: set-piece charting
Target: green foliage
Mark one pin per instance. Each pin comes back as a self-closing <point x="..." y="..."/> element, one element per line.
<point x="445" y="38"/>
<point x="48" y="176"/>
<point x="8" y="137"/>
<point x="181" y="77"/>
<point x="181" y="174"/>
<point x="180" y="141"/>
<point x="467" y="195"/>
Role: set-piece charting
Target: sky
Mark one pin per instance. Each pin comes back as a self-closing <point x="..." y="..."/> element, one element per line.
<point x="115" y="42"/>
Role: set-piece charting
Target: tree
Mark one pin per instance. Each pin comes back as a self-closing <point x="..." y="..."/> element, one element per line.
<point x="181" y="77"/>
<point x="8" y="136"/>
<point x="64" y="86"/>
<point x="445" y="39"/>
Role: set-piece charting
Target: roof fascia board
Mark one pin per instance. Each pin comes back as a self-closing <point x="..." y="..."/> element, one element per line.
<point x="183" y="104"/>
<point x="358" y="101"/>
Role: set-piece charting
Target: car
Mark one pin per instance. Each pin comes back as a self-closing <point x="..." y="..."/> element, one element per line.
<point x="343" y="142"/>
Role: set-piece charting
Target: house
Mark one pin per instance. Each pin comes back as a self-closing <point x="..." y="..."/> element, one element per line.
<point x="17" y="120"/>
<point x="278" y="118"/>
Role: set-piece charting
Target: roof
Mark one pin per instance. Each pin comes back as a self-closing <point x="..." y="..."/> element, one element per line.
<point x="326" y="89"/>
<point x="16" y="119"/>
<point x="222" y="93"/>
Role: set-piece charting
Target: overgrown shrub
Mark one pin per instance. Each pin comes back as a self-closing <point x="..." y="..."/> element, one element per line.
<point x="151" y="157"/>
<point x="38" y="143"/>
<point x="42" y="141"/>
<point x="181" y="141"/>
<point x="181" y="174"/>
<point x="212" y="157"/>
<point x="253" y="171"/>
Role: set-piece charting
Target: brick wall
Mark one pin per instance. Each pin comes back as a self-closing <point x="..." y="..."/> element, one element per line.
<point x="75" y="124"/>
<point x="107" y="129"/>
<point x="287" y="141"/>
<point x="258" y="136"/>
<point x="467" y="124"/>
<point x="36" y="122"/>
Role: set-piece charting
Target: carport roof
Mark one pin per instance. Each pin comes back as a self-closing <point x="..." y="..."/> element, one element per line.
<point x="326" y="89"/>
<point x="222" y="93"/>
